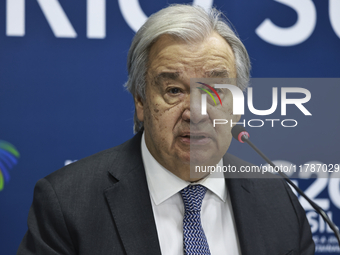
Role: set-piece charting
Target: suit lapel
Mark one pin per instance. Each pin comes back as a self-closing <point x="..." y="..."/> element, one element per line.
<point x="130" y="204"/>
<point x="246" y="215"/>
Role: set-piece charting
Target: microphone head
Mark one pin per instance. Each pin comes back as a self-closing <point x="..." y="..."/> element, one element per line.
<point x="238" y="132"/>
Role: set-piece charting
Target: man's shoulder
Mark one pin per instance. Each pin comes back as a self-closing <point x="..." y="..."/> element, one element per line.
<point x="99" y="167"/>
<point x="270" y="189"/>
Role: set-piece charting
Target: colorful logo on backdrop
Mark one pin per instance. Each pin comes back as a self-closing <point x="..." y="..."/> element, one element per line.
<point x="8" y="159"/>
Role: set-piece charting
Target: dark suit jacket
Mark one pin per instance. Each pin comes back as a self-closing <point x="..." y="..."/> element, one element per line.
<point x="101" y="205"/>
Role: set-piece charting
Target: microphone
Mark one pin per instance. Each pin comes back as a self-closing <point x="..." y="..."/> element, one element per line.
<point x="238" y="132"/>
<point x="241" y="135"/>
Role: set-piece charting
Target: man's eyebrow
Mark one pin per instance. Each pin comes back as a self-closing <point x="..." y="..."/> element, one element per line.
<point x="221" y="73"/>
<point x="167" y="76"/>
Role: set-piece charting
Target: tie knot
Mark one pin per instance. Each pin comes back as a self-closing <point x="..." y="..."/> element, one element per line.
<point x="192" y="197"/>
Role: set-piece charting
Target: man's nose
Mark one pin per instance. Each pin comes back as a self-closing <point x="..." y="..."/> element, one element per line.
<point x="193" y="111"/>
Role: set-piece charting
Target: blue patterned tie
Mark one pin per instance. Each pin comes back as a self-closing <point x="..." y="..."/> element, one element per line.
<point x="195" y="242"/>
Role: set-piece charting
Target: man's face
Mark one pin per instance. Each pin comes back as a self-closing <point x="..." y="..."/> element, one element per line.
<point x="172" y="125"/>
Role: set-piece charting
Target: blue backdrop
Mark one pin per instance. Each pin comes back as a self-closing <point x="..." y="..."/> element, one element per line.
<point x="62" y="70"/>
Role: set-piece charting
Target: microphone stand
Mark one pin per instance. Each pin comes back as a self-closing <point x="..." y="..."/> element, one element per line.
<point x="314" y="205"/>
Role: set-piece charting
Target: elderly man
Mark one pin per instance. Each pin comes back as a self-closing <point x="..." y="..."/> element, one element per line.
<point x="139" y="197"/>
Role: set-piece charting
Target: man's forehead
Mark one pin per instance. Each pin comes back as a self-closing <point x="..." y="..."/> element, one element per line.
<point x="170" y="58"/>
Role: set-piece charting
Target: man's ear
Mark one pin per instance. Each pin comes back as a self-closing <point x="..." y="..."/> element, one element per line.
<point x="139" y="105"/>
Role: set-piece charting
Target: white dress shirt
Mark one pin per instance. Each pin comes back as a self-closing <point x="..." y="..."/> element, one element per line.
<point x="168" y="209"/>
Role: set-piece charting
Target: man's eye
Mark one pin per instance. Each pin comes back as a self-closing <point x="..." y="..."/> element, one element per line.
<point x="174" y="91"/>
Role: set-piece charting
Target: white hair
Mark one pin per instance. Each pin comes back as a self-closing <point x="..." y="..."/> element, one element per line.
<point x="191" y="24"/>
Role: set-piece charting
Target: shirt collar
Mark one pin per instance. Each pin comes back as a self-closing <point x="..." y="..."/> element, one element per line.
<point x="163" y="184"/>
